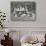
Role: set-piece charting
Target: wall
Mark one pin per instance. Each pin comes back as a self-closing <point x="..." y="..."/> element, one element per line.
<point x="40" y="14"/>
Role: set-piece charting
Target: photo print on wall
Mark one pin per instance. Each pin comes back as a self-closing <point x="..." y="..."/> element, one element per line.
<point x="23" y="11"/>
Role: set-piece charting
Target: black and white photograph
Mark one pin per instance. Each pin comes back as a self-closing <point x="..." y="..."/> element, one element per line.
<point x="23" y="11"/>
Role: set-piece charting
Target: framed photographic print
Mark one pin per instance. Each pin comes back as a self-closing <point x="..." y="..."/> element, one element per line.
<point x="23" y="11"/>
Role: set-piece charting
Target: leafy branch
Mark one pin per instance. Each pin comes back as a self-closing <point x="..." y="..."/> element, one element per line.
<point x="2" y="18"/>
